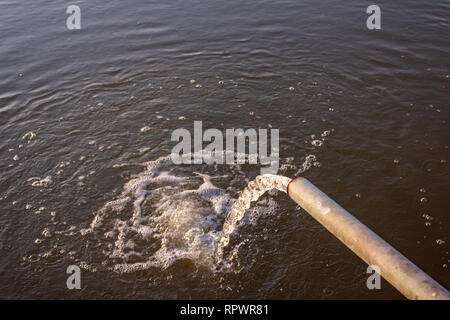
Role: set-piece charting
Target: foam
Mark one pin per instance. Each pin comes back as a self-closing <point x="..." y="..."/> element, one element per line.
<point x="29" y="136"/>
<point x="170" y="212"/>
<point x="183" y="222"/>
<point x="38" y="182"/>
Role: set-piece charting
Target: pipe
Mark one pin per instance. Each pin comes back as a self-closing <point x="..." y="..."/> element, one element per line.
<point x="406" y="277"/>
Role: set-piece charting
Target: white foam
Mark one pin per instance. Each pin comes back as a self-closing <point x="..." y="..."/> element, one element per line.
<point x="29" y="136"/>
<point x="169" y="212"/>
<point x="183" y="221"/>
<point x="38" y="182"/>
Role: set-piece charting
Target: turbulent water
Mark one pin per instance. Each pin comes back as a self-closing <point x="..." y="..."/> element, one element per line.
<point x="86" y="118"/>
<point x="165" y="214"/>
<point x="254" y="190"/>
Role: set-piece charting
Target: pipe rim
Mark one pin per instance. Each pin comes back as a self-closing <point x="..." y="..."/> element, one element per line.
<point x="287" y="188"/>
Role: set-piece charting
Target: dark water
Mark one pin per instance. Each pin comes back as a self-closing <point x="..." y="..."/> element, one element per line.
<point x="383" y="95"/>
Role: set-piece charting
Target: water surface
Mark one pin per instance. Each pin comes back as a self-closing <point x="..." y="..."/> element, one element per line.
<point x="381" y="95"/>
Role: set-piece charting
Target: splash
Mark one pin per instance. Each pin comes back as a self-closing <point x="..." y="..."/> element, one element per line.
<point x="309" y="161"/>
<point x="175" y="214"/>
<point x="168" y="213"/>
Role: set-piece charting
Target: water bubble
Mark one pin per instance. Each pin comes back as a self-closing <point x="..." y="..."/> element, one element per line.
<point x="29" y="136"/>
<point x="317" y="143"/>
<point x="38" y="182"/>
<point x="46" y="233"/>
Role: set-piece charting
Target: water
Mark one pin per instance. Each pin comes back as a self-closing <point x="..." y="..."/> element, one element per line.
<point x="86" y="118"/>
<point x="253" y="192"/>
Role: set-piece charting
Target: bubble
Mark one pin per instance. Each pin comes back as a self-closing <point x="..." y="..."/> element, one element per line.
<point x="29" y="136"/>
<point x="38" y="182"/>
<point x="46" y="233"/>
<point x="168" y="213"/>
<point x="317" y="143"/>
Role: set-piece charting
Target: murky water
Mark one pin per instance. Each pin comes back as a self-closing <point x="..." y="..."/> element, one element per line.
<point x="86" y="118"/>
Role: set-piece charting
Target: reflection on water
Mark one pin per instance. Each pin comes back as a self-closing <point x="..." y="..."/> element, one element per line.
<point x="85" y="114"/>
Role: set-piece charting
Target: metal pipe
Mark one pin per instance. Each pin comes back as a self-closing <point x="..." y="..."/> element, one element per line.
<point x="405" y="276"/>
